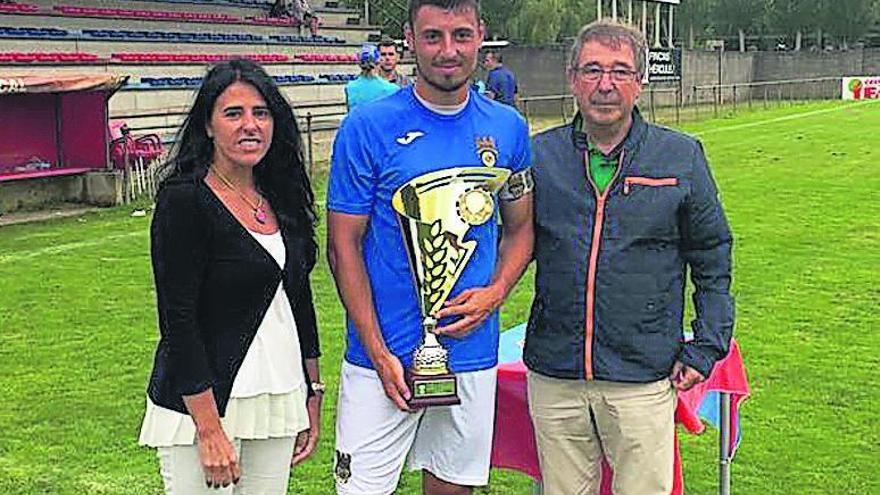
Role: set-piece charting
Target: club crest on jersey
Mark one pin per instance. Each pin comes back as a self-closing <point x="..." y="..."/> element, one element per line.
<point x="487" y="151"/>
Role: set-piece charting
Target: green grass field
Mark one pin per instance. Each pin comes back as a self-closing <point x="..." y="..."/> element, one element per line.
<point x="801" y="186"/>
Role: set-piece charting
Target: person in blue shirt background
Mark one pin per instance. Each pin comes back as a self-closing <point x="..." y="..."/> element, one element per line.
<point x="500" y="82"/>
<point x="439" y="123"/>
<point x="368" y="86"/>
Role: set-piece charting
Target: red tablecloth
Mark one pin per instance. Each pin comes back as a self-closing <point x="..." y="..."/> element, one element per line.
<point x="514" y="443"/>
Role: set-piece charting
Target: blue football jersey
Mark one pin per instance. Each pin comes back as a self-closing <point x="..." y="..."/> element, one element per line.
<point x="380" y="147"/>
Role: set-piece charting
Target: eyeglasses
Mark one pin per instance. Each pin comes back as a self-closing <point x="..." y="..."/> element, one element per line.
<point x="594" y="73"/>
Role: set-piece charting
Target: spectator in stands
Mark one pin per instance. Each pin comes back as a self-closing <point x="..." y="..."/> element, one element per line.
<point x="388" y="58"/>
<point x="235" y="392"/>
<point x="298" y="10"/>
<point x="368" y="86"/>
<point x="303" y="12"/>
<point x="500" y="82"/>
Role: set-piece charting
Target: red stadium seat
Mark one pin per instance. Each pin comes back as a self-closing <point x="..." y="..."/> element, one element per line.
<point x="126" y="57"/>
<point x="77" y="57"/>
<point x="18" y="8"/>
<point x="46" y="57"/>
<point x="23" y="57"/>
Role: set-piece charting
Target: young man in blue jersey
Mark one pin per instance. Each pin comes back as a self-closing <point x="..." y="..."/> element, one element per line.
<point x="435" y="125"/>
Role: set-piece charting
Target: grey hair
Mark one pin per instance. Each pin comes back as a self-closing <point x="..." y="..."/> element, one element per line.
<point x="611" y="33"/>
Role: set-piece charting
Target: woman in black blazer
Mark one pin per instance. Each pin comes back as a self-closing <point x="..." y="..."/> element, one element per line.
<point x="235" y="393"/>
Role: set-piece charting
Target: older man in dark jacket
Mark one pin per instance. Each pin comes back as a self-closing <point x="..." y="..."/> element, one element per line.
<point x="622" y="209"/>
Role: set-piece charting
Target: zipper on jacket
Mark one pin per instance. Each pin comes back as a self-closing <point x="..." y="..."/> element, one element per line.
<point x="598" y="220"/>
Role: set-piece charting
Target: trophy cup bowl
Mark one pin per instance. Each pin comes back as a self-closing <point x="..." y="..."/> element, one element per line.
<point x="436" y="210"/>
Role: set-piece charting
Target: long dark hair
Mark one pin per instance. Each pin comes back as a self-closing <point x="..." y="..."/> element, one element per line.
<point x="281" y="174"/>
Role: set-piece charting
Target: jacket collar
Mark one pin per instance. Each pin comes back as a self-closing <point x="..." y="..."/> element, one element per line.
<point x="580" y="139"/>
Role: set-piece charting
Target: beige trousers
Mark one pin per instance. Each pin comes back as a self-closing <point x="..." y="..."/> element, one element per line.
<point x="265" y="468"/>
<point x="577" y="422"/>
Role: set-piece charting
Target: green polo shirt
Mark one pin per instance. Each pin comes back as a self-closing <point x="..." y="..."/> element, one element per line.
<point x="602" y="167"/>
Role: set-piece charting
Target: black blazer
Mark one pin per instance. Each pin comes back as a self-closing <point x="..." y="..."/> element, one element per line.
<point x="214" y="283"/>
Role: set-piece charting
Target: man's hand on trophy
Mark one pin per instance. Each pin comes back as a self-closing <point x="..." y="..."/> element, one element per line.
<point x="391" y="373"/>
<point x="474" y="306"/>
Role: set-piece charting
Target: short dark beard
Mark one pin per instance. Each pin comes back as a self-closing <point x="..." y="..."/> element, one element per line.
<point x="440" y="85"/>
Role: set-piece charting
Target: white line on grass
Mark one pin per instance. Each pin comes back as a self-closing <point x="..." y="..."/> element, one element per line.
<point x="63" y="248"/>
<point x="784" y="118"/>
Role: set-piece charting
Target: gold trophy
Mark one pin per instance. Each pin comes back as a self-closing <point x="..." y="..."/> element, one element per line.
<point x="436" y="210"/>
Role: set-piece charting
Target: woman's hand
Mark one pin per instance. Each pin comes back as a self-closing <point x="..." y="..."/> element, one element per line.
<point x="307" y="440"/>
<point x="216" y="453"/>
<point x="218" y="458"/>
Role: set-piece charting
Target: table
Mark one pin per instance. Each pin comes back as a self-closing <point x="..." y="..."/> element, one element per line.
<point x="715" y="400"/>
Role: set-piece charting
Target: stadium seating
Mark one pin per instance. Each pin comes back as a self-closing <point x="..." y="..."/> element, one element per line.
<point x="164" y="58"/>
<point x="188" y="82"/>
<point x="33" y="32"/>
<point x="262" y="58"/>
<point x="18" y="8"/>
<point x="274" y="21"/>
<point x="166" y="45"/>
<point x="175" y="36"/>
<point x="327" y="57"/>
<point x="157" y="15"/>
<point x="338" y="77"/>
<point x="315" y="40"/>
<point x="54" y="57"/>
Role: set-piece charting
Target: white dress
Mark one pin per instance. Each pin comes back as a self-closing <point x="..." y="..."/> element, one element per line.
<point x="268" y="398"/>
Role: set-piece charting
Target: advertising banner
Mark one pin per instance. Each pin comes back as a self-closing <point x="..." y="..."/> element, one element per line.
<point x="664" y="64"/>
<point x="860" y="88"/>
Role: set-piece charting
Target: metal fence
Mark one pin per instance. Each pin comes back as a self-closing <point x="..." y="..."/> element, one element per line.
<point x="674" y="105"/>
<point x="140" y="179"/>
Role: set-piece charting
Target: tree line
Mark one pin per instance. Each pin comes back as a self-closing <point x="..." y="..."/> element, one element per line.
<point x="743" y="24"/>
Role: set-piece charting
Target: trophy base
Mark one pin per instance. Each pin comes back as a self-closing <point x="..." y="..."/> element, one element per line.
<point x="432" y="390"/>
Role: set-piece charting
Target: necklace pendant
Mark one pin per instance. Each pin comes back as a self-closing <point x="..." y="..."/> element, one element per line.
<point x="260" y="216"/>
